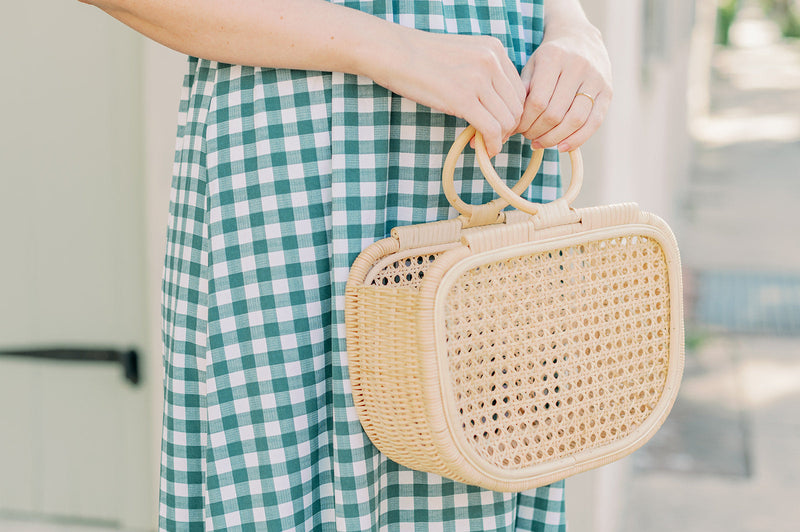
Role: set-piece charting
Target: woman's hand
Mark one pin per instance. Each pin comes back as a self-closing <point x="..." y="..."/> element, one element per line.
<point x="568" y="80"/>
<point x="467" y="76"/>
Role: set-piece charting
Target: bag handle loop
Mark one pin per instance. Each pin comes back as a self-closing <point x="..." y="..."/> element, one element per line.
<point x="448" y="171"/>
<point x="510" y="196"/>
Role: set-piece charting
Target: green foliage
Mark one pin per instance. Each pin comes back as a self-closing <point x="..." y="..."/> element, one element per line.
<point x="791" y="27"/>
<point x="695" y="338"/>
<point x="726" y="13"/>
<point x="785" y="13"/>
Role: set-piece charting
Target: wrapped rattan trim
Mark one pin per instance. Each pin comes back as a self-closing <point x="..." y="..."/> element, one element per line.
<point x="428" y="234"/>
<point x="478" y="470"/>
<point x="430" y="368"/>
<point x="607" y="215"/>
<point x="521" y="227"/>
<point x="367" y="258"/>
<point x="403" y="255"/>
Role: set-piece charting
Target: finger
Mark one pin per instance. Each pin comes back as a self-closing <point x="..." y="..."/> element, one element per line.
<point x="566" y="88"/>
<point x="505" y="81"/>
<point x="527" y="73"/>
<point x="511" y="100"/>
<point x="542" y="83"/>
<point x="498" y="108"/>
<point x="576" y="139"/>
<point x="513" y="77"/>
<point x="490" y="128"/>
<point x="509" y="71"/>
<point x="576" y="116"/>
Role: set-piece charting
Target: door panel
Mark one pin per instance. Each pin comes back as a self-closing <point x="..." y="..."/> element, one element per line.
<point x="76" y="436"/>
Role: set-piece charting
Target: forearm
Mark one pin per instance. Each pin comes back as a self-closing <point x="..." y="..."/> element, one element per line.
<point x="298" y="34"/>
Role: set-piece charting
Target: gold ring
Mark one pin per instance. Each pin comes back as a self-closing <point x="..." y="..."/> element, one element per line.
<point x="584" y="94"/>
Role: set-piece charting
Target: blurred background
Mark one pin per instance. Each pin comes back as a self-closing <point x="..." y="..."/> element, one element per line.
<point x="704" y="131"/>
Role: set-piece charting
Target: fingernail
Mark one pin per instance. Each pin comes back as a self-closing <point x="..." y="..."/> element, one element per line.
<point x="563" y="147"/>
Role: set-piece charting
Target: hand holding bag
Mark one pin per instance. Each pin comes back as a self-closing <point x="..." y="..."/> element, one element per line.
<point x="511" y="349"/>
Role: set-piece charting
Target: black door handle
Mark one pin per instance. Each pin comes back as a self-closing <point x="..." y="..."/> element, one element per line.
<point x="129" y="359"/>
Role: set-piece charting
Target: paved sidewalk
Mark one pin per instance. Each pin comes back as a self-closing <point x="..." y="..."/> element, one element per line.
<point x="728" y="459"/>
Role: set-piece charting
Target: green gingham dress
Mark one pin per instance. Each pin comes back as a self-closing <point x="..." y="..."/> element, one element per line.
<point x="281" y="178"/>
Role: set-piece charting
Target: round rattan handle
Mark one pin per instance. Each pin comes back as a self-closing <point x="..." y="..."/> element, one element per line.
<point x="512" y="196"/>
<point x="450" y="165"/>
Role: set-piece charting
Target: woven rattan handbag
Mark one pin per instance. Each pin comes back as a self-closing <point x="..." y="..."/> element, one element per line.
<point x="510" y="349"/>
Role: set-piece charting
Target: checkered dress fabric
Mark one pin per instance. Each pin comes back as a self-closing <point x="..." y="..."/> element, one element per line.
<point x="281" y="178"/>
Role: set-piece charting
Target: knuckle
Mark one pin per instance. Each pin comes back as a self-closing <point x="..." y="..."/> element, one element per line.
<point x="550" y="117"/>
<point x="537" y="105"/>
<point x="574" y="122"/>
<point x="534" y="132"/>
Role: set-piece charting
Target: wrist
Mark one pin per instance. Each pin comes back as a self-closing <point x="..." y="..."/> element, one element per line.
<point x="566" y="17"/>
<point x="377" y="54"/>
<point x="574" y="28"/>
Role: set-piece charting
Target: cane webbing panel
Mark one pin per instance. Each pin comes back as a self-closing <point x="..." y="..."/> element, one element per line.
<point x="575" y="359"/>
